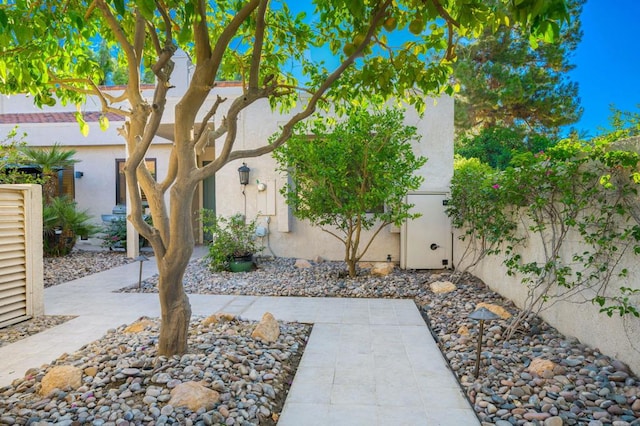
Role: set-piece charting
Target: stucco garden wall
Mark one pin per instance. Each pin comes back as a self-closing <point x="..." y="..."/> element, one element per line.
<point x="615" y="336"/>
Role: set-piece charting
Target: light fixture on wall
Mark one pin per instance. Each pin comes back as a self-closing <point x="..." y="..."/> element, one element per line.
<point x="243" y="172"/>
<point x="78" y="175"/>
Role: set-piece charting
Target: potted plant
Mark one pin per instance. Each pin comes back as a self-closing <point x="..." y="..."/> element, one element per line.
<point x="233" y="242"/>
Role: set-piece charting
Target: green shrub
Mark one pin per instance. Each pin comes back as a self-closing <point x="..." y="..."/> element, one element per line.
<point x="62" y="224"/>
<point x="115" y="234"/>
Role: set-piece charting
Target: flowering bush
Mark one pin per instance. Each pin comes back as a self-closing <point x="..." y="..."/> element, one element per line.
<point x="572" y="190"/>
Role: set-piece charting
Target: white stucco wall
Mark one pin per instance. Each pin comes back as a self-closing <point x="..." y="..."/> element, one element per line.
<point x="289" y="237"/>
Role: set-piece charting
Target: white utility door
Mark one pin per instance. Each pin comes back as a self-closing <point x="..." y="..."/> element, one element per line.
<point x="426" y="241"/>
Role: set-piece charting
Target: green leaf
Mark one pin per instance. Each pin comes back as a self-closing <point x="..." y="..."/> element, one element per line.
<point x="3" y="19"/>
<point x="3" y="71"/>
<point x="84" y="126"/>
<point x="104" y="122"/>
<point x="119" y="5"/>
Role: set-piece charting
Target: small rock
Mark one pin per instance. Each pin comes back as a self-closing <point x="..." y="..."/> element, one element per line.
<point x="90" y="371"/>
<point x="553" y="421"/>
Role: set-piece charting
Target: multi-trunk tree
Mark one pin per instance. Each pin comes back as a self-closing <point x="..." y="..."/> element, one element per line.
<point x="354" y="177"/>
<point x="48" y="50"/>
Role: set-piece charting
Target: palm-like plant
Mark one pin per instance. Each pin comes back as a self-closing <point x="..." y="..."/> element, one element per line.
<point x="62" y="224"/>
<point x="50" y="161"/>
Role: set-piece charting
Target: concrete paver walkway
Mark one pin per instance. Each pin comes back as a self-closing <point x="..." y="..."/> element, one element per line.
<point x="367" y="361"/>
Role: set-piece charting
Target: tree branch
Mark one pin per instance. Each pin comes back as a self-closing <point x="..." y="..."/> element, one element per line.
<point x="444" y="14"/>
<point x="256" y="54"/>
<point x="203" y="135"/>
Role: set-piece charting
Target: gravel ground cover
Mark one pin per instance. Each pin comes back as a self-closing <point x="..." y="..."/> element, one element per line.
<point x="537" y="377"/>
<point x="579" y="386"/>
<point x="77" y="264"/>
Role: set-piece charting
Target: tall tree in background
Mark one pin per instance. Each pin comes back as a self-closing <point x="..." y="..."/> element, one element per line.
<point x="46" y="49"/>
<point x="506" y="82"/>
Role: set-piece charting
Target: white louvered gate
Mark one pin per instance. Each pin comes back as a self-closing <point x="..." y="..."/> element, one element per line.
<point x="19" y="252"/>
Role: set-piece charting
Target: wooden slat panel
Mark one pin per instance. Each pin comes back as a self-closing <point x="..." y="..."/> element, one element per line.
<point x="15" y="303"/>
<point x="9" y="247"/>
<point x="13" y="286"/>
<point x="8" y="278"/>
<point x="7" y="294"/>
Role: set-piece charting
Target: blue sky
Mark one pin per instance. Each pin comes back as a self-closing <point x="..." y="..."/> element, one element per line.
<point x="607" y="61"/>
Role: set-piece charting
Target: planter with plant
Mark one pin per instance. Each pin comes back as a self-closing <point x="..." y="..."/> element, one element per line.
<point x="62" y="224"/>
<point x="233" y="242"/>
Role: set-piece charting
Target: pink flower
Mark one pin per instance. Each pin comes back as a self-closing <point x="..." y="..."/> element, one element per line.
<point x="496" y="186"/>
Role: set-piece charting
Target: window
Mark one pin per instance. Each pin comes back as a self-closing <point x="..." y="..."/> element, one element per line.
<point x="121" y="183"/>
<point x="66" y="183"/>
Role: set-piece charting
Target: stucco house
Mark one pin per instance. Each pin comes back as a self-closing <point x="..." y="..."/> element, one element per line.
<point x="97" y="184"/>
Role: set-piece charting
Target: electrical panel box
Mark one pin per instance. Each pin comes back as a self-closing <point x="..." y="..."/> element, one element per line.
<point x="426" y="242"/>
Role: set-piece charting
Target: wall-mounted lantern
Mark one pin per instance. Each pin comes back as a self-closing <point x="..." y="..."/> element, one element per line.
<point x="243" y="172"/>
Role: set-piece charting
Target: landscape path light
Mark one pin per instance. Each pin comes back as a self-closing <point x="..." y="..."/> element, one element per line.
<point x="141" y="258"/>
<point x="483" y="314"/>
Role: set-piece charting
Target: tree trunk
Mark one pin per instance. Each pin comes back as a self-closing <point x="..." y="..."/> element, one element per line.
<point x="175" y="310"/>
<point x="351" y="263"/>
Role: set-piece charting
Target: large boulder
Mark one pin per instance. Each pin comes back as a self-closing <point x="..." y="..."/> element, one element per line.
<point x="267" y="330"/>
<point x="139" y="326"/>
<point x="498" y="310"/>
<point x="442" y="287"/>
<point x="302" y="264"/>
<point x="194" y="396"/>
<point x="382" y="269"/>
<point x="61" y="377"/>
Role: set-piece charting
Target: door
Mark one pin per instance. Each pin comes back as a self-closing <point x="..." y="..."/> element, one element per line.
<point x="426" y="241"/>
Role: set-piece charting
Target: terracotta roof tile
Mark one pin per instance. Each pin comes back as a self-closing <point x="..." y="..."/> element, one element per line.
<point x="54" y="117"/>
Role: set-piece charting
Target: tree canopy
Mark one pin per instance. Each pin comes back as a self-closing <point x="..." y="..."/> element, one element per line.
<point x="47" y="49"/>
